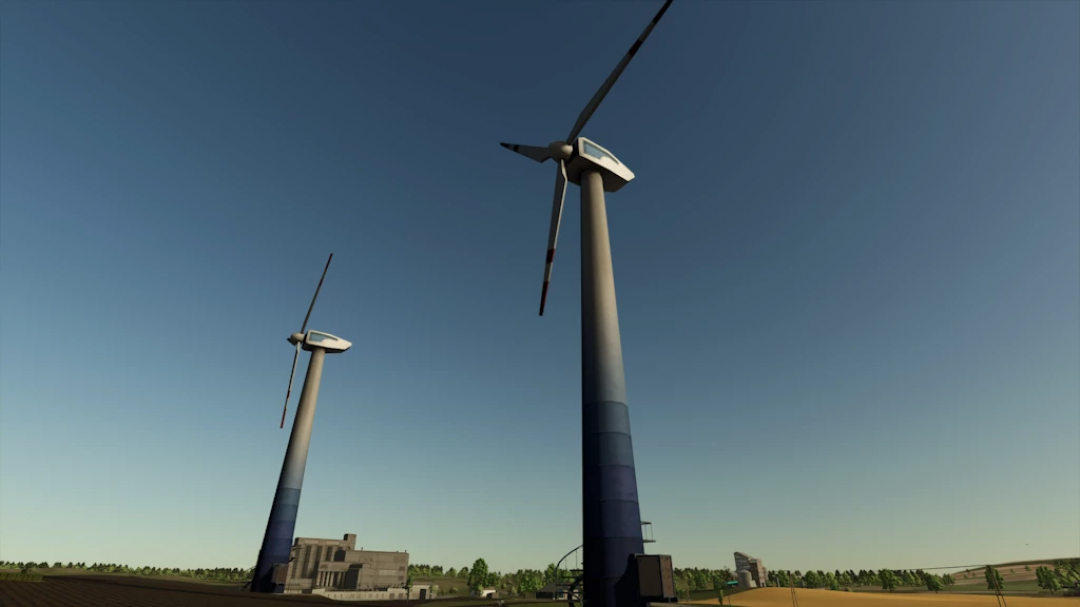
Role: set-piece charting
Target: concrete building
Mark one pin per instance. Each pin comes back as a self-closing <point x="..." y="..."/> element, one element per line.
<point x="758" y="573"/>
<point x="320" y="566"/>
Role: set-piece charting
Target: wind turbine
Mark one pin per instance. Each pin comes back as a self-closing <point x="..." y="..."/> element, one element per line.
<point x="273" y="563"/>
<point x="611" y="515"/>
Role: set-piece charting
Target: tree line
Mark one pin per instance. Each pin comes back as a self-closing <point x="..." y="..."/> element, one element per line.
<point x="1065" y="574"/>
<point x="220" y="574"/>
<point x="479" y="577"/>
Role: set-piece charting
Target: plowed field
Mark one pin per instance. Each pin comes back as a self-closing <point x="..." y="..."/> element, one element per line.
<point x="89" y="591"/>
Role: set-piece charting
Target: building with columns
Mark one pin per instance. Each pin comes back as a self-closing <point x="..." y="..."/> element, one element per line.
<point x="325" y="566"/>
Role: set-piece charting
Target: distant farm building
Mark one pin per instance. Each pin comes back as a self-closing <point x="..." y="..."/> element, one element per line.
<point x="759" y="575"/>
<point x="337" y="570"/>
<point x="553" y="591"/>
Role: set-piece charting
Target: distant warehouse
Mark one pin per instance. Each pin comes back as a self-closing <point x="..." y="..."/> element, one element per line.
<point x="337" y="570"/>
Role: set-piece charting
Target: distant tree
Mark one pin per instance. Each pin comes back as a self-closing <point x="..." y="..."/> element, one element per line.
<point x="933" y="583"/>
<point x="1027" y="567"/>
<point x="408" y="588"/>
<point x="994" y="581"/>
<point x="682" y="589"/>
<point x="845" y="579"/>
<point x="947" y="580"/>
<point x="529" y="582"/>
<point x="888" y="580"/>
<point x="812" y="580"/>
<point x="451" y="573"/>
<point x="463" y="573"/>
<point x="478" y="575"/>
<point x="834" y="584"/>
<point x="1047" y="579"/>
<point x="1068" y="570"/>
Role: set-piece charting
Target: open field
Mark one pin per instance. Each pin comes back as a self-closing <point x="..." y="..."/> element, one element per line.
<point x="1010" y="572"/>
<point x="131" y="591"/>
<point x="781" y="597"/>
<point x="55" y="572"/>
<point x="1031" y="585"/>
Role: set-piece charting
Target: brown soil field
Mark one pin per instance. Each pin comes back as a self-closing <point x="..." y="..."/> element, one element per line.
<point x="121" y="591"/>
<point x="781" y="597"/>
<point x="1018" y="575"/>
<point x="117" y="591"/>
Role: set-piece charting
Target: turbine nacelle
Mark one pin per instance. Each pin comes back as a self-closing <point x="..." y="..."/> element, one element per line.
<point x="587" y="156"/>
<point x="317" y="339"/>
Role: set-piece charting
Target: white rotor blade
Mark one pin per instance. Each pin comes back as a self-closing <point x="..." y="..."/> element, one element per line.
<point x="303" y="327"/>
<point x="289" y="391"/>
<point x="553" y="235"/>
<point x="539" y="154"/>
<point x="604" y="88"/>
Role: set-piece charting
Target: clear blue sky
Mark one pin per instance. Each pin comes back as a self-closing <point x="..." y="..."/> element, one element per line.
<point x="848" y="275"/>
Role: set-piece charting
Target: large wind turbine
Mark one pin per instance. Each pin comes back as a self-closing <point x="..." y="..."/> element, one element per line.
<point x="273" y="561"/>
<point x="611" y="516"/>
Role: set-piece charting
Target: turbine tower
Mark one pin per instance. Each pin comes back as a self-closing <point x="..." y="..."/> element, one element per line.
<point x="273" y="562"/>
<point x="611" y="516"/>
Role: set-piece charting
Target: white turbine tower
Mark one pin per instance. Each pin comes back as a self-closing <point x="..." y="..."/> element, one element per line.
<point x="611" y="516"/>
<point x="273" y="560"/>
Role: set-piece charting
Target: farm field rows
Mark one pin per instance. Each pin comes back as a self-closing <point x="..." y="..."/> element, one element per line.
<point x="130" y="591"/>
<point x="116" y="591"/>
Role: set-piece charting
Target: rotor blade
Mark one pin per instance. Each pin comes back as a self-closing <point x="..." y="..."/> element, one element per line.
<point x="604" y="88"/>
<point x="553" y="235"/>
<point x="303" y="327"/>
<point x="289" y="391"/>
<point x="539" y="154"/>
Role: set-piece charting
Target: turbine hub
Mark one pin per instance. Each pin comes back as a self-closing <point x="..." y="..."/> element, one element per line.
<point x="560" y="150"/>
<point x="296" y="338"/>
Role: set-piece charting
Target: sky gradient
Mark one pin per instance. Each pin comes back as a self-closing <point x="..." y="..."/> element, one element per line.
<point x="848" y="277"/>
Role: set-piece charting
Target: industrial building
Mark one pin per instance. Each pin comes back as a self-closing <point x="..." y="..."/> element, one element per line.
<point x="758" y="574"/>
<point x="335" y="567"/>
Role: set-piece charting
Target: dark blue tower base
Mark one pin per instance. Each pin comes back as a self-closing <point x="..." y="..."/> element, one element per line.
<point x="277" y="542"/>
<point x="612" y="518"/>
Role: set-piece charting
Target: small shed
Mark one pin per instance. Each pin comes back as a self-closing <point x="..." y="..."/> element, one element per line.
<point x="553" y="591"/>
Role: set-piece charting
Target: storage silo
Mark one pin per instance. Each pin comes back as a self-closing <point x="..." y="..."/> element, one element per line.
<point x="746" y="579"/>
